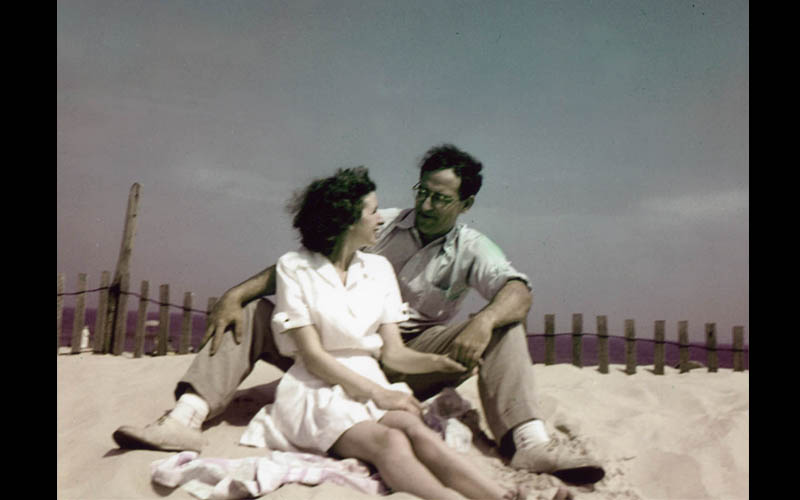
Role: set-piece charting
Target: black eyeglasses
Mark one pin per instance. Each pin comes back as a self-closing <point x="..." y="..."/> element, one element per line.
<point x="438" y="200"/>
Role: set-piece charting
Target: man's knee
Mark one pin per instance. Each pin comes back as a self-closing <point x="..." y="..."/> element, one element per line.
<point x="511" y="337"/>
<point x="264" y="346"/>
<point x="515" y="329"/>
<point x="262" y="315"/>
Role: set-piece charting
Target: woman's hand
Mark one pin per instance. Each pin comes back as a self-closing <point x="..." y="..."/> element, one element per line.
<point x="443" y="363"/>
<point x="399" y="358"/>
<point x="404" y="360"/>
<point x="388" y="399"/>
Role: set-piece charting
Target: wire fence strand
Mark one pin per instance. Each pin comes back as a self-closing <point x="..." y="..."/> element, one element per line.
<point x="137" y="295"/>
<point x="640" y="339"/>
<point x="529" y="335"/>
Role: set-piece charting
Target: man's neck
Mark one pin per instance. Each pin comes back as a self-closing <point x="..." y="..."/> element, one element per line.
<point x="426" y="239"/>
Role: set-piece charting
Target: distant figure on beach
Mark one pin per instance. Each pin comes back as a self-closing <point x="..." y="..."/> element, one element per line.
<point x="436" y="261"/>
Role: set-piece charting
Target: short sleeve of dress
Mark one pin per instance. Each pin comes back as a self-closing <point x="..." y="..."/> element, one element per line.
<point x="291" y="308"/>
<point x="394" y="309"/>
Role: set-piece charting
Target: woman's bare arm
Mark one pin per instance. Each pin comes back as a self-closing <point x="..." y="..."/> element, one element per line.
<point x="320" y="363"/>
<point x="396" y="356"/>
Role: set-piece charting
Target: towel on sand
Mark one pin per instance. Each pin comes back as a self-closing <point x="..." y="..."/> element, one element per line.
<point x="229" y="479"/>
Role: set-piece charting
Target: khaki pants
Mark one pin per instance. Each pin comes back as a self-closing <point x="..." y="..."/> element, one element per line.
<point x="505" y="379"/>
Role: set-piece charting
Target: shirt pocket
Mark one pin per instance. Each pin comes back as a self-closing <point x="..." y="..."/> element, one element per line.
<point x="441" y="298"/>
<point x="450" y="287"/>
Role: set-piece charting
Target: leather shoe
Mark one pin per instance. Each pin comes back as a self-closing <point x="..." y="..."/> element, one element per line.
<point x="166" y="434"/>
<point x="553" y="457"/>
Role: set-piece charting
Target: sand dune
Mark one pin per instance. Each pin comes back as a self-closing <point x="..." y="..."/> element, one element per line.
<point x="676" y="436"/>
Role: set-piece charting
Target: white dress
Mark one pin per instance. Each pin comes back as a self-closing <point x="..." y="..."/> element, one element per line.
<point x="309" y="414"/>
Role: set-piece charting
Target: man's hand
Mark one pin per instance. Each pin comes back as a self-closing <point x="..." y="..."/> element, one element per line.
<point x="468" y="347"/>
<point x="227" y="311"/>
<point x="396" y="400"/>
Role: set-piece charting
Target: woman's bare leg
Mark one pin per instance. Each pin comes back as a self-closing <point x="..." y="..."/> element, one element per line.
<point x="450" y="467"/>
<point x="389" y="450"/>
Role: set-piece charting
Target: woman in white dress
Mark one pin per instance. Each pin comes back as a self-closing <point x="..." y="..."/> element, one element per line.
<point x="336" y="314"/>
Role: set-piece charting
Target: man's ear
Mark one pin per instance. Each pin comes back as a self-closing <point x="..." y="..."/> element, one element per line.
<point x="468" y="203"/>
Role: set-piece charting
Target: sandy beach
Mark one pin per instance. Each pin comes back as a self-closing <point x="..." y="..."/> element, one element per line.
<point x="676" y="436"/>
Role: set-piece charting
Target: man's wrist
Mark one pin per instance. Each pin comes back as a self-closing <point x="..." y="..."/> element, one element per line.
<point x="486" y="319"/>
<point x="232" y="296"/>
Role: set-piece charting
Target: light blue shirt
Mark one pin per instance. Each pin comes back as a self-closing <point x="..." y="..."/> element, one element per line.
<point x="434" y="279"/>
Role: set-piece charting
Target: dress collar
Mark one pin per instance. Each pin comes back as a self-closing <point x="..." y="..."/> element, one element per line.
<point x="325" y="268"/>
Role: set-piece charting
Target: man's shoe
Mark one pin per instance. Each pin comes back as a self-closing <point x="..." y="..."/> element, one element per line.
<point x="554" y="458"/>
<point x="166" y="434"/>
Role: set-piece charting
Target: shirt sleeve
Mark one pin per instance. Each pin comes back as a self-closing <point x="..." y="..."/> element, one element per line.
<point x="491" y="270"/>
<point x="291" y="308"/>
<point x="394" y="309"/>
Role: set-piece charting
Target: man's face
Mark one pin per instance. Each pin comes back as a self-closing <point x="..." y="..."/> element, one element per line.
<point x="437" y="203"/>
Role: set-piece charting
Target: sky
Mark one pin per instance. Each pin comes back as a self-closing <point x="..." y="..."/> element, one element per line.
<point x="614" y="137"/>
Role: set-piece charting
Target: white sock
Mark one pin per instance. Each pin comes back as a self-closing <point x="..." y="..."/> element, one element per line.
<point x="530" y="434"/>
<point x="191" y="410"/>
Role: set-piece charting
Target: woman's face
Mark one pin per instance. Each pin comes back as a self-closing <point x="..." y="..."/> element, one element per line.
<point x="365" y="231"/>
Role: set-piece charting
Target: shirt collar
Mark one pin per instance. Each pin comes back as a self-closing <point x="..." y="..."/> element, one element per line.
<point x="407" y="222"/>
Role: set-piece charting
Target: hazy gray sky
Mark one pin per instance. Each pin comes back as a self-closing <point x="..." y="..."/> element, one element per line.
<point x="614" y="134"/>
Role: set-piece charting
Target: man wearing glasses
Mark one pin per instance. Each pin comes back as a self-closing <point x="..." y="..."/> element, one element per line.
<point x="436" y="261"/>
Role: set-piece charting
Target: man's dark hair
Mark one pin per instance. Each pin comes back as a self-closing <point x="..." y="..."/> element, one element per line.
<point x="463" y="164"/>
<point x="327" y="207"/>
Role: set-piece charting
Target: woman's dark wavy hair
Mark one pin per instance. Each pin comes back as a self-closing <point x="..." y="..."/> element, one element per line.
<point x="463" y="164"/>
<point x="327" y="207"/>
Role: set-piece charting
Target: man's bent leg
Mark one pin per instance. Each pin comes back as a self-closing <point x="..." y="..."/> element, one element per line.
<point x="505" y="379"/>
<point x="216" y="378"/>
<point x="506" y="384"/>
<point x="508" y="397"/>
<point x="507" y="391"/>
<point x="436" y="340"/>
<point x="208" y="386"/>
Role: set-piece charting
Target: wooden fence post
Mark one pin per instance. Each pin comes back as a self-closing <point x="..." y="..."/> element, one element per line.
<point x="658" y="355"/>
<point x="80" y="314"/>
<point x="630" y="347"/>
<point x="59" y="307"/>
<point x="163" y="320"/>
<point x="549" y="339"/>
<point x="102" y="309"/>
<point x="602" y="343"/>
<point x="108" y="324"/>
<point x="711" y="346"/>
<point x="121" y="321"/>
<point x="141" y="319"/>
<point x="123" y="265"/>
<point x="186" y="326"/>
<point x="738" y="348"/>
<point x="683" y="340"/>
<point x="577" y="345"/>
